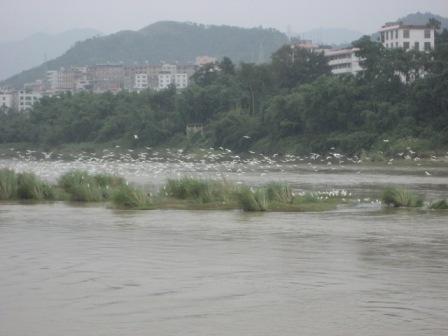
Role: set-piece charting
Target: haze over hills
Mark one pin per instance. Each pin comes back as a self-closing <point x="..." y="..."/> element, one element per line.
<point x="165" y="41"/>
<point x="331" y="36"/>
<point x="16" y="56"/>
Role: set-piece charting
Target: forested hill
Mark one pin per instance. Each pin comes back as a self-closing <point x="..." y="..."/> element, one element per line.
<point x="423" y="18"/>
<point x="164" y="41"/>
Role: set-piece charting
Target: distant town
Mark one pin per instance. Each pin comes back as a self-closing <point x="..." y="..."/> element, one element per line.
<point x="114" y="78"/>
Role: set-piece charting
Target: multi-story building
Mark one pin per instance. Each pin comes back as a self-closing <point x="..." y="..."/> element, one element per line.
<point x="140" y="81"/>
<point x="304" y="44"/>
<point x="343" y="61"/>
<point x="181" y="80"/>
<point x="6" y="100"/>
<point x="26" y="100"/>
<point x="398" y="35"/>
<point x="106" y="77"/>
<point x="52" y="80"/>
<point x="73" y="79"/>
<point x="165" y="80"/>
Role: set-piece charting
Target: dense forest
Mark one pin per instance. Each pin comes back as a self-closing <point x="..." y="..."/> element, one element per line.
<point x="292" y="104"/>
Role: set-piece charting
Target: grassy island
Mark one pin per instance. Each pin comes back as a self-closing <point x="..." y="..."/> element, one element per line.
<point x="186" y="194"/>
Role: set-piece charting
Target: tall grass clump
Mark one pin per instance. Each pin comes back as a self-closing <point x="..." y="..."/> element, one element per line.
<point x="202" y="191"/>
<point x="279" y="192"/>
<point x="250" y="200"/>
<point x="83" y="187"/>
<point x="30" y="187"/>
<point x="439" y="205"/>
<point x="8" y="184"/>
<point x="126" y="197"/>
<point x="398" y="198"/>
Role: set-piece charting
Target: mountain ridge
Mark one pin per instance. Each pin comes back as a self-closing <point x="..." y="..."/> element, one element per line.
<point x="32" y="50"/>
<point x="167" y="41"/>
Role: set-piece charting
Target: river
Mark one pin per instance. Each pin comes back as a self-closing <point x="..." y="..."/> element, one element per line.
<point x="67" y="269"/>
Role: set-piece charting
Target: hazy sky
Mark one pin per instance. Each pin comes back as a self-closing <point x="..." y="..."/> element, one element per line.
<point x="21" y="18"/>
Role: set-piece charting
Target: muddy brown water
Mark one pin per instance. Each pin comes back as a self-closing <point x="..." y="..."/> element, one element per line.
<point x="362" y="270"/>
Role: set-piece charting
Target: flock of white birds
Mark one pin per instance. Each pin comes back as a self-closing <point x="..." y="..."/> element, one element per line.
<point x="152" y="166"/>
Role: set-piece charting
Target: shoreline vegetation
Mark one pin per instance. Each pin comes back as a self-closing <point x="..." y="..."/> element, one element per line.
<point x="188" y="194"/>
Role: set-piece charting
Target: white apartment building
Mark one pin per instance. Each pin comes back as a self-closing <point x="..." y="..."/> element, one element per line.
<point x="6" y="100"/>
<point x="180" y="80"/>
<point x="140" y="81"/>
<point x="52" y="79"/>
<point x="26" y="100"/>
<point x="165" y="80"/>
<point x="171" y="68"/>
<point x="398" y="35"/>
<point x="343" y="61"/>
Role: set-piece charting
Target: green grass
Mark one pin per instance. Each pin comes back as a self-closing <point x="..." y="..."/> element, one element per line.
<point x="439" y="205"/>
<point x="126" y="197"/>
<point x="401" y="198"/>
<point x="30" y="187"/>
<point x="8" y="184"/>
<point x="252" y="200"/>
<point x="24" y="186"/>
<point x="197" y="190"/>
<point x="278" y="192"/>
<point x="83" y="187"/>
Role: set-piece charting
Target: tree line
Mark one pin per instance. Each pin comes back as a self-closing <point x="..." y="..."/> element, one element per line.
<point x="292" y="104"/>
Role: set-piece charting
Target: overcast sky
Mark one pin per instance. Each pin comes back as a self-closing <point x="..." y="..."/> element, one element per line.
<point x="21" y="18"/>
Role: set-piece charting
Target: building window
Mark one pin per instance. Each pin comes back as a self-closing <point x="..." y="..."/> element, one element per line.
<point x="396" y="34"/>
<point x="406" y="45"/>
<point x="427" y="46"/>
<point x="427" y="33"/>
<point x="406" y="33"/>
<point x="417" y="46"/>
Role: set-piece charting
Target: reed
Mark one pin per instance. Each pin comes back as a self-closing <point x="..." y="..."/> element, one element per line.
<point x="401" y="198"/>
<point x="83" y="187"/>
<point x="8" y="184"/>
<point x="196" y="190"/>
<point x="126" y="197"/>
<point x="30" y="187"/>
<point x="439" y="205"/>
<point x="279" y="192"/>
<point x="252" y="200"/>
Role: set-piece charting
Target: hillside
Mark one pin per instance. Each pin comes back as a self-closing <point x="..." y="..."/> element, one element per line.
<point x="16" y="56"/>
<point x="423" y="18"/>
<point x="164" y="41"/>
